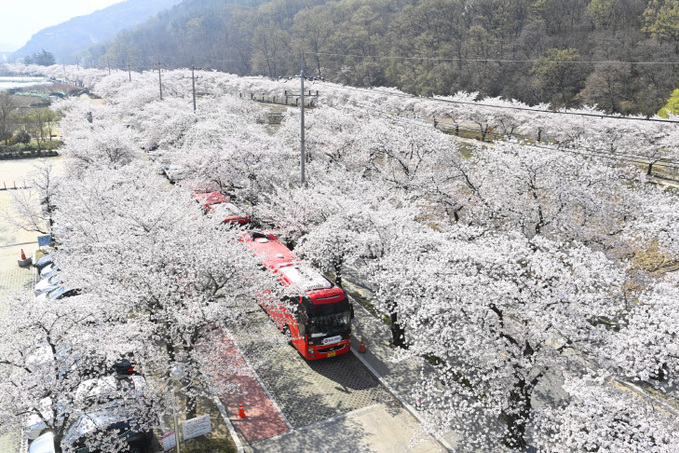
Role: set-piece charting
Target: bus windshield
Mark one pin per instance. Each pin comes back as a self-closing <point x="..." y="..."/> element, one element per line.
<point x="325" y="324"/>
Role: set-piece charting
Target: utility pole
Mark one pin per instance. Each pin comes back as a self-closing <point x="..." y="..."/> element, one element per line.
<point x="129" y="71"/>
<point x="302" y="142"/>
<point x="193" y="83"/>
<point x="109" y="65"/>
<point x="160" y="81"/>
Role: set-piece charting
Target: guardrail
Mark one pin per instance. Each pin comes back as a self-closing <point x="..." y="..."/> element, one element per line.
<point x="13" y="185"/>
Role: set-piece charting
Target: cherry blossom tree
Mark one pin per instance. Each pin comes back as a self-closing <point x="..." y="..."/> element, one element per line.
<point x="51" y="353"/>
<point x="490" y="261"/>
<point x="158" y="260"/>
<point x="32" y="208"/>
<point x="600" y="417"/>
<point x="645" y="346"/>
<point x="492" y="313"/>
<point x="102" y="143"/>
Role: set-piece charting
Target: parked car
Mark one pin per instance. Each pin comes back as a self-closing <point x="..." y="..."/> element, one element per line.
<point x="58" y="293"/>
<point x="175" y="173"/>
<point x="124" y="366"/>
<point x="106" y="397"/>
<point x="49" y="270"/>
<point x="90" y="427"/>
<point x="47" y="284"/>
<point x="43" y="444"/>
<point x="44" y="261"/>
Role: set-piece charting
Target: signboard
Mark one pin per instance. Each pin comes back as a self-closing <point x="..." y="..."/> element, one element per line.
<point x="169" y="441"/>
<point x="197" y="426"/>
<point x="332" y="340"/>
<point x="44" y="240"/>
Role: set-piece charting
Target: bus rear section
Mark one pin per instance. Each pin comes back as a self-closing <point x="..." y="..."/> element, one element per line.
<point x="318" y="320"/>
<point x="216" y="203"/>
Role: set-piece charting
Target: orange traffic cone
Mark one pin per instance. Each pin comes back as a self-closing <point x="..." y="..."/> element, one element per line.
<point x="241" y="411"/>
<point x="362" y="347"/>
<point x="23" y="255"/>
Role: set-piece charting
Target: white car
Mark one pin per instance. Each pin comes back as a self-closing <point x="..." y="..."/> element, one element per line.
<point x="57" y="293"/>
<point x="48" y="271"/>
<point x="175" y="173"/>
<point x="43" y="444"/>
<point x="47" y="284"/>
<point x="103" y="394"/>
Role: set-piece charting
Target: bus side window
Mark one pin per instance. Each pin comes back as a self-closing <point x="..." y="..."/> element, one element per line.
<point x="289" y="302"/>
<point x="301" y="322"/>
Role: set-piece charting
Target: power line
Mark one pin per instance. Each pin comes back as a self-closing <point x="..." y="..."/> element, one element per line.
<point x="476" y="104"/>
<point x="510" y="107"/>
<point x="480" y="105"/>
<point x="628" y="158"/>
<point x="493" y="60"/>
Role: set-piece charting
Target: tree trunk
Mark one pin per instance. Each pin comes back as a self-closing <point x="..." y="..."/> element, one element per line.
<point x="170" y="351"/>
<point x="191" y="409"/>
<point x="57" y="442"/>
<point x="520" y="405"/>
<point x="338" y="264"/>
<point x="397" y="332"/>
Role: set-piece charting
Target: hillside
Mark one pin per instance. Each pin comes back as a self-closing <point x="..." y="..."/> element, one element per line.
<point x="67" y="40"/>
<point x="561" y="52"/>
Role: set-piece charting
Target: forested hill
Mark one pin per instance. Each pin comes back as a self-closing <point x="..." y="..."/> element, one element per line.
<point x="562" y="52"/>
<point x="67" y="40"/>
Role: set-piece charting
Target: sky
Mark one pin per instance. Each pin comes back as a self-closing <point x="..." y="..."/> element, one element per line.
<point x="21" y="19"/>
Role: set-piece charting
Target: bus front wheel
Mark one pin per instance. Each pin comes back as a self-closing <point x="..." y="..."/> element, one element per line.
<point x="288" y="335"/>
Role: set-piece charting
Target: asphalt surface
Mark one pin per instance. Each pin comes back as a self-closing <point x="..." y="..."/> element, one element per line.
<point x="333" y="405"/>
<point x="306" y="392"/>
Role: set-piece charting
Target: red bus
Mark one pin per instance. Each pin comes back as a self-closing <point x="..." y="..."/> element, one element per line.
<point x="318" y="321"/>
<point x="218" y="204"/>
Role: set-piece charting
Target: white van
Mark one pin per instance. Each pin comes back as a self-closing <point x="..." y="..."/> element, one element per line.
<point x="43" y="444"/>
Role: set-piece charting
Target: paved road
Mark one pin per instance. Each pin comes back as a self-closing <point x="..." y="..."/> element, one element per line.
<point x="334" y="405"/>
<point x="380" y="428"/>
<point x="306" y="392"/>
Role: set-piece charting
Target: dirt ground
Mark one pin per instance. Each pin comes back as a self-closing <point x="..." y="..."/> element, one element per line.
<point x="12" y="240"/>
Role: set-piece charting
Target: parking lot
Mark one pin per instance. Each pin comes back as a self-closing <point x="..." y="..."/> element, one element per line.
<point x="12" y="277"/>
<point x="11" y="240"/>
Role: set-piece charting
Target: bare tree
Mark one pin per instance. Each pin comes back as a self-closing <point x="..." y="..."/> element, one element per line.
<point x="7" y="106"/>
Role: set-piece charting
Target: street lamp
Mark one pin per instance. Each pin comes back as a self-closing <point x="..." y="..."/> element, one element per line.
<point x="175" y="376"/>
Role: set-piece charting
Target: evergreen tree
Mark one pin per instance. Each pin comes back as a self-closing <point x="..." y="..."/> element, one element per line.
<point x="43" y="58"/>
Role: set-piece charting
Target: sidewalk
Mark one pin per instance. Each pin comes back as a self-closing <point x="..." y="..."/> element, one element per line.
<point x="399" y="377"/>
<point x="263" y="419"/>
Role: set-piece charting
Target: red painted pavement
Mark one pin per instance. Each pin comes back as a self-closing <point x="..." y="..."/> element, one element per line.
<point x="263" y="419"/>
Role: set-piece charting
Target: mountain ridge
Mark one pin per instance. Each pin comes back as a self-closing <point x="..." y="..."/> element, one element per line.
<point x="66" y="41"/>
<point x="618" y="55"/>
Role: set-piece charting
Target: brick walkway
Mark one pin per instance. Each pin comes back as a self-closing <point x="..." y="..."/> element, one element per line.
<point x="236" y="382"/>
<point x="17" y="280"/>
<point x="307" y="392"/>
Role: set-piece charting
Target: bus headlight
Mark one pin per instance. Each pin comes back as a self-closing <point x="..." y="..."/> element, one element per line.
<point x="311" y="351"/>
